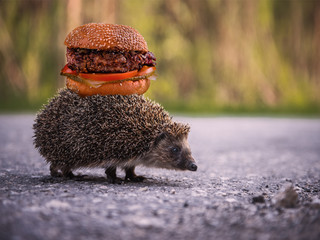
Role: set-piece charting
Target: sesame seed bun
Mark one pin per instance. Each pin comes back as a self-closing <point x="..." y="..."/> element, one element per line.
<point x="103" y="36"/>
<point x="125" y="88"/>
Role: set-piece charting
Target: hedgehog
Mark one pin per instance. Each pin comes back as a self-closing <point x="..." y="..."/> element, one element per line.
<point x="110" y="132"/>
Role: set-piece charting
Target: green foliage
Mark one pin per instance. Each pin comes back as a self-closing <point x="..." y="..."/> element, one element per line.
<point x="213" y="56"/>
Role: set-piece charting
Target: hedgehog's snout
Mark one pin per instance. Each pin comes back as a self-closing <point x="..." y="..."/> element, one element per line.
<point x="190" y="164"/>
<point x="192" y="167"/>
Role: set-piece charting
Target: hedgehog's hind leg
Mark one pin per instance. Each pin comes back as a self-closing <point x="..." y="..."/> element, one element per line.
<point x="65" y="172"/>
<point x="111" y="173"/>
<point x="130" y="175"/>
<point x="54" y="171"/>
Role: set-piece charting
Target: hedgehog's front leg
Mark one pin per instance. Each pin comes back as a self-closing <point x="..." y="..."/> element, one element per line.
<point x="111" y="173"/>
<point x="130" y="175"/>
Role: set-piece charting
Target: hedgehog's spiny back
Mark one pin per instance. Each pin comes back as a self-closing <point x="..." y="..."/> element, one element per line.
<point x="79" y="131"/>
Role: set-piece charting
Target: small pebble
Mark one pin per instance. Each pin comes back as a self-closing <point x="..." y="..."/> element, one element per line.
<point x="57" y="204"/>
<point x="231" y="200"/>
<point x="287" y="198"/>
<point x="144" y="189"/>
<point x="258" y="199"/>
<point x="315" y="203"/>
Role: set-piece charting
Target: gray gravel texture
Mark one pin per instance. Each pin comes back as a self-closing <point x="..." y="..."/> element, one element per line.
<point x="257" y="178"/>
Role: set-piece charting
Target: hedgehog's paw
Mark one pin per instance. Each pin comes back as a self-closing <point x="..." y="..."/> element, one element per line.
<point x="56" y="174"/>
<point x="54" y="171"/>
<point x="135" y="178"/>
<point x="68" y="174"/>
<point x="130" y="175"/>
<point x="112" y="176"/>
<point x="115" y="180"/>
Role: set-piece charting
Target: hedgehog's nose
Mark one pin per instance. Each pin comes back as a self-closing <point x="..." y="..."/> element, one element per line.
<point x="192" y="167"/>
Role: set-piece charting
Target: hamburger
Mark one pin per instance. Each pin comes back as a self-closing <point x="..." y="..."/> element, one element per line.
<point x="107" y="59"/>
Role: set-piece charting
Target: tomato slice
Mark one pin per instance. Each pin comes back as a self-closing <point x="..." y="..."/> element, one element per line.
<point x="105" y="77"/>
<point x="108" y="76"/>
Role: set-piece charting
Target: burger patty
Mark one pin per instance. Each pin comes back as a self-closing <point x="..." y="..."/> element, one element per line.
<point x="91" y="60"/>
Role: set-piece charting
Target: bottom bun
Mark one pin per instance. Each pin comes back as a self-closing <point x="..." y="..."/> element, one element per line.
<point x="123" y="88"/>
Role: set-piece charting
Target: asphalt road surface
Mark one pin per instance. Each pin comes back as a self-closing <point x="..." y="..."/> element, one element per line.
<point x="257" y="178"/>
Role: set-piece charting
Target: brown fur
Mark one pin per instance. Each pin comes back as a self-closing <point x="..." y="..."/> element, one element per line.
<point x="110" y="131"/>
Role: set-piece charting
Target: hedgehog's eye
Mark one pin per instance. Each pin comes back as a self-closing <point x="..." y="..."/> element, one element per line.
<point x="175" y="150"/>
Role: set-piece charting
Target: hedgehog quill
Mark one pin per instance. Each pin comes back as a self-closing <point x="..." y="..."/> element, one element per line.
<point x="110" y="129"/>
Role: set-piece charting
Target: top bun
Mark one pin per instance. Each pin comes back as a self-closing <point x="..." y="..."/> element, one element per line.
<point x="103" y="36"/>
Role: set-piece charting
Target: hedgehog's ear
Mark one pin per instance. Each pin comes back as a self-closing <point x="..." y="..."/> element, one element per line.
<point x="159" y="138"/>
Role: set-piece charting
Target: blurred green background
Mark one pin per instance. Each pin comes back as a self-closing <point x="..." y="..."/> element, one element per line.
<point x="213" y="56"/>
